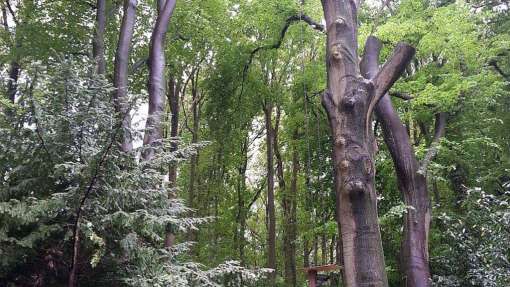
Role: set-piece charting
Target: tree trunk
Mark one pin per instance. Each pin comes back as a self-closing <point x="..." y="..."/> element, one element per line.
<point x="152" y="137"/>
<point x="349" y="103"/>
<point x="195" y="111"/>
<point x="242" y="210"/>
<point x="411" y="183"/>
<point x="271" y="234"/>
<point x="12" y="83"/>
<point x="98" y="42"/>
<point x="120" y="74"/>
<point x="173" y="100"/>
<point x="288" y="205"/>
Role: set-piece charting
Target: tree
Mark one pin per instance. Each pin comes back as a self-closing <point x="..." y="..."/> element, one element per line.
<point x="157" y="84"/>
<point x="349" y="102"/>
<point x="120" y="74"/>
<point x="98" y="49"/>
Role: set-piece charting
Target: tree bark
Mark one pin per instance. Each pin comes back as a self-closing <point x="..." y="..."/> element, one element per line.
<point x="12" y="83"/>
<point x="121" y="71"/>
<point x="242" y="210"/>
<point x="153" y="135"/>
<point x="98" y="42"/>
<point x="288" y="205"/>
<point x="271" y="234"/>
<point x="173" y="100"/>
<point x="411" y="182"/>
<point x="195" y="111"/>
<point x="349" y="102"/>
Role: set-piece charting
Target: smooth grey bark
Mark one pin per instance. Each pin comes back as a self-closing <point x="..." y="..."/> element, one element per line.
<point x="349" y="103"/>
<point x="121" y="71"/>
<point x="271" y="216"/>
<point x="98" y="50"/>
<point x="411" y="175"/>
<point x="411" y="183"/>
<point x="153" y="135"/>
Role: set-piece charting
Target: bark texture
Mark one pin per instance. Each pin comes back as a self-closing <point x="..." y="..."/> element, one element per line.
<point x="153" y="134"/>
<point x="349" y="103"/>
<point x="271" y="234"/>
<point x="411" y="183"/>
<point x="98" y="42"/>
<point x="121" y="71"/>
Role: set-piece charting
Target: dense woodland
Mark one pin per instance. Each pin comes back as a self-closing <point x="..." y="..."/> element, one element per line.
<point x="235" y="143"/>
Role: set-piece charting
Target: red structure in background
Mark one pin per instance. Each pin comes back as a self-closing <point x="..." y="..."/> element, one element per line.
<point x="312" y="273"/>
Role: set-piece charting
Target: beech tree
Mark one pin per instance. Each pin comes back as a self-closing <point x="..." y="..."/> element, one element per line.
<point x="157" y="84"/>
<point x="121" y="68"/>
<point x="350" y="101"/>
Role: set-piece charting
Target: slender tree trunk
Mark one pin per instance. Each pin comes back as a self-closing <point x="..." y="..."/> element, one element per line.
<point x="12" y="83"/>
<point x="289" y="206"/>
<point x="411" y="183"/>
<point x="153" y="135"/>
<point x="14" y="67"/>
<point x="120" y="74"/>
<point x="98" y="42"/>
<point x="349" y="103"/>
<point x="173" y="100"/>
<point x="306" y="253"/>
<point x="242" y="210"/>
<point x="195" y="111"/>
<point x="271" y="237"/>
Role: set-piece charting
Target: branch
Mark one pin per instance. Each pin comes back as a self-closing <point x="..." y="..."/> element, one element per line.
<point x="8" y="4"/>
<point x="257" y="194"/>
<point x="402" y="96"/>
<point x="138" y="64"/>
<point x="439" y="130"/>
<point x="390" y="73"/>
<point x="494" y="64"/>
<point x="296" y="18"/>
<point x="79" y="210"/>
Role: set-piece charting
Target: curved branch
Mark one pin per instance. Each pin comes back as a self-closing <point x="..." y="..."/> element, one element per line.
<point x="494" y="64"/>
<point x="439" y="131"/>
<point x="291" y="20"/>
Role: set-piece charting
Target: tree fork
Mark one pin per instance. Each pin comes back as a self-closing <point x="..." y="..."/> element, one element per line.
<point x="411" y="182"/>
<point x="349" y="102"/>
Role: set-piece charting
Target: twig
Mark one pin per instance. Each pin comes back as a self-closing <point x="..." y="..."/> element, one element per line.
<point x="79" y="211"/>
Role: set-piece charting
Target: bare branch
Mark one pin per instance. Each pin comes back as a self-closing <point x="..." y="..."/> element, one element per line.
<point x="390" y="73"/>
<point x="498" y="69"/>
<point x="402" y="96"/>
<point x="292" y="19"/>
<point x="439" y="131"/>
<point x="9" y="7"/>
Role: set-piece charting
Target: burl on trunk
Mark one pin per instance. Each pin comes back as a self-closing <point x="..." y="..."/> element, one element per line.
<point x="349" y="101"/>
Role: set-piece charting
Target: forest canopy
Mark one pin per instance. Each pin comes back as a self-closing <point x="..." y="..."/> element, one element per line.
<point x="255" y="143"/>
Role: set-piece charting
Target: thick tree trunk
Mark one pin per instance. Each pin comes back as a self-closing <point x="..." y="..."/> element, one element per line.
<point x="411" y="183"/>
<point x="271" y="234"/>
<point x="349" y="103"/>
<point x="98" y="42"/>
<point x="153" y="135"/>
<point x="120" y="74"/>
